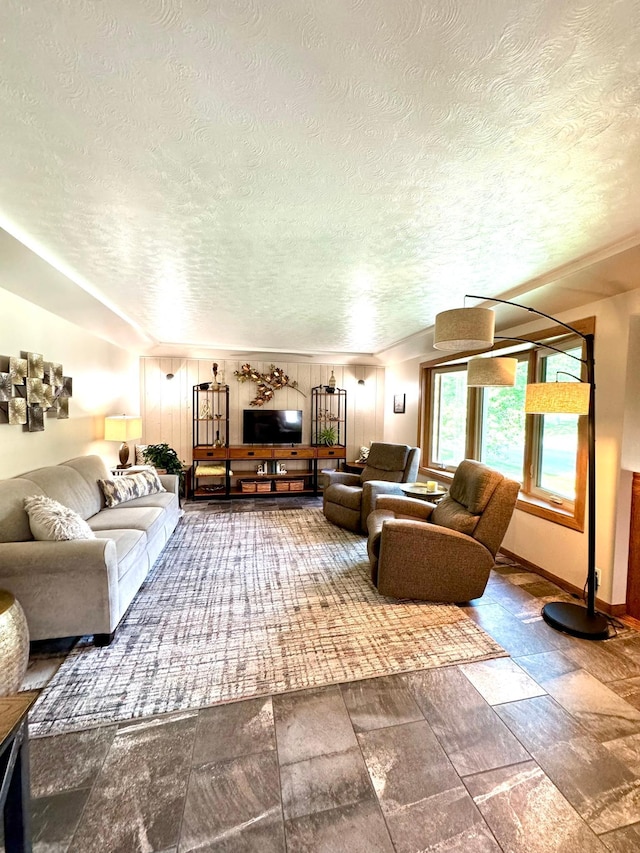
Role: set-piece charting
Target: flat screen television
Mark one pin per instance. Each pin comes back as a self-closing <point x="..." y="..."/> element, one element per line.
<point x="272" y="426"/>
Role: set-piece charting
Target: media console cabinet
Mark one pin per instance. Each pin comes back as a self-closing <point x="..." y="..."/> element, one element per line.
<point x="233" y="471"/>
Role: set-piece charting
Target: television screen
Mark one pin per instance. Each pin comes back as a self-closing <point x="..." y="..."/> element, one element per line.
<point x="272" y="426"/>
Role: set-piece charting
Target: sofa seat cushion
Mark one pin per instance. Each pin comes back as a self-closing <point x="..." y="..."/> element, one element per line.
<point x="161" y="499"/>
<point x="347" y="496"/>
<point x="149" y="519"/>
<point x="130" y="547"/>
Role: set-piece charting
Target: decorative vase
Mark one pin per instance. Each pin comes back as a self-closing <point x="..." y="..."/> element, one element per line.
<point x="14" y="644"/>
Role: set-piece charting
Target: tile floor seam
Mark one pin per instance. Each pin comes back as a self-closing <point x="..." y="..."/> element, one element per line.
<point x="275" y="737"/>
<point x="187" y="785"/>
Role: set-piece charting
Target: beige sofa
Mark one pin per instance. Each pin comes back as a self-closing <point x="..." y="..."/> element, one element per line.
<point x="83" y="586"/>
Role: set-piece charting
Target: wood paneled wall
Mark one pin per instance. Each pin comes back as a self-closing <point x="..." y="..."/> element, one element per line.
<point x="166" y="404"/>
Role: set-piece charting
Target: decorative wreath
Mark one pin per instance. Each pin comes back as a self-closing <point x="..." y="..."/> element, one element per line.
<point x="268" y="383"/>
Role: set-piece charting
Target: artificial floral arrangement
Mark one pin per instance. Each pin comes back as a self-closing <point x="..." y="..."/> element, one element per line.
<point x="268" y="383"/>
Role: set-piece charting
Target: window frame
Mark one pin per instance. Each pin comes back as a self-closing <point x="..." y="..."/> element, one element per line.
<point x="533" y="501"/>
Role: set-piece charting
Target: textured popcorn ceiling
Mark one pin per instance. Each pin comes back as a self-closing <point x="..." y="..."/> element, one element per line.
<point x="315" y="176"/>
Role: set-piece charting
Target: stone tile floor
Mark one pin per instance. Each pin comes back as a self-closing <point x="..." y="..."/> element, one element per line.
<point x="537" y="752"/>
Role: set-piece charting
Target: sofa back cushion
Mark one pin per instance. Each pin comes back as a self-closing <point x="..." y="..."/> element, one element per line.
<point x="473" y="484"/>
<point x="449" y="513"/>
<point x="386" y="462"/>
<point x="71" y="485"/>
<point x="91" y="469"/>
<point x="14" y="521"/>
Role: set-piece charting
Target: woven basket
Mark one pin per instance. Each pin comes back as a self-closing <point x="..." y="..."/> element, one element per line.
<point x="247" y="486"/>
<point x="296" y="485"/>
<point x="282" y="485"/>
<point x="263" y="486"/>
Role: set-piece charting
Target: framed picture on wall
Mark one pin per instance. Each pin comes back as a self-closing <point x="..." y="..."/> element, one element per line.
<point x="399" y="403"/>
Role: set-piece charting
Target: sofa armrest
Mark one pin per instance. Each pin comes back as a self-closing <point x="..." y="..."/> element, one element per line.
<point x="17" y="559"/>
<point x="66" y="588"/>
<point x="403" y="506"/>
<point x="342" y="477"/>
<point x="371" y="491"/>
<point x="171" y="482"/>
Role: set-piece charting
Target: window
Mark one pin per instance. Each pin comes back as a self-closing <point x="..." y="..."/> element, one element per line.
<point x="557" y="440"/>
<point x="449" y="406"/>
<point x="545" y="453"/>
<point x="502" y="426"/>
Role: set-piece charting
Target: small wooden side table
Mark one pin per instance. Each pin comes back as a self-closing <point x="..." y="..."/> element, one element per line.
<point x="420" y="491"/>
<point x="15" y="795"/>
<point x="354" y="467"/>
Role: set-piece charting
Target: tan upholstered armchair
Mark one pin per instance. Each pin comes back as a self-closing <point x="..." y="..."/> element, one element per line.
<point x="349" y="498"/>
<point x="442" y="552"/>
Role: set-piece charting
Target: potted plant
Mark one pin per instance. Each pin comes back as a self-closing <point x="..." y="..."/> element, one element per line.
<point x="328" y="436"/>
<point x="165" y="459"/>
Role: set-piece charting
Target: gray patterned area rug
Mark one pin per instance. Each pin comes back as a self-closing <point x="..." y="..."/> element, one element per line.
<point x="248" y="604"/>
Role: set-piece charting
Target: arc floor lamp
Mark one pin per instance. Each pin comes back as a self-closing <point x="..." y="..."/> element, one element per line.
<point x="472" y="328"/>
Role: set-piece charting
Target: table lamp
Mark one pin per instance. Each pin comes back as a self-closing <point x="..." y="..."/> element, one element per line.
<point x="123" y="428"/>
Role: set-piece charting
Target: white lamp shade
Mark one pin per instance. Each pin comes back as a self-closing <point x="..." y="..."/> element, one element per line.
<point x="14" y="644"/>
<point x="464" y="328"/>
<point x="122" y="428"/>
<point x="557" y="398"/>
<point x="491" y="372"/>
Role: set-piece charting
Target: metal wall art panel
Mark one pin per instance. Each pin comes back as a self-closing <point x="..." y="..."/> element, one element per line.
<point x="35" y="392"/>
<point x="53" y="373"/>
<point x="35" y="368"/>
<point x="67" y="387"/>
<point x="31" y="386"/>
<point x="48" y="395"/>
<point x="18" y="370"/>
<point x="35" y="418"/>
<point x="17" y="411"/>
<point x="6" y="388"/>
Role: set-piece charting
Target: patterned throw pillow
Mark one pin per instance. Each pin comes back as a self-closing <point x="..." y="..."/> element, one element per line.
<point x="52" y="521"/>
<point x="140" y="449"/>
<point x="130" y="486"/>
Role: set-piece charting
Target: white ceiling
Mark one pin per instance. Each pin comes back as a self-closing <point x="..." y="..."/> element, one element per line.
<point x="316" y="176"/>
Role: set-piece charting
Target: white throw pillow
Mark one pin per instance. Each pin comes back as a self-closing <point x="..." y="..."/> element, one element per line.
<point x="50" y="520"/>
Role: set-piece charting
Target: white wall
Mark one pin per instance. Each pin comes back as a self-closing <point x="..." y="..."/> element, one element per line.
<point x="402" y="378"/>
<point x="105" y="381"/>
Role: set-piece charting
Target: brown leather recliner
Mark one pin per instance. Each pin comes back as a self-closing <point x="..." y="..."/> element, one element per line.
<point x="442" y="552"/>
<point x="349" y="498"/>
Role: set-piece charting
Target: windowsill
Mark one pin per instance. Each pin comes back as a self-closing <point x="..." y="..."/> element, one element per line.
<point x="548" y="511"/>
<point x="526" y="503"/>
